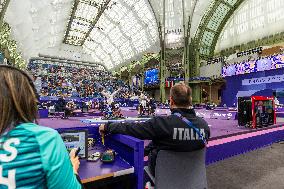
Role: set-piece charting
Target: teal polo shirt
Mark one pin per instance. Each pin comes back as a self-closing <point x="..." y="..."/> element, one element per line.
<point x="35" y="157"/>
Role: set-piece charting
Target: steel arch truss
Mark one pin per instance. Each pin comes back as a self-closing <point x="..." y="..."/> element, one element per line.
<point x="212" y="25"/>
<point x="3" y="7"/>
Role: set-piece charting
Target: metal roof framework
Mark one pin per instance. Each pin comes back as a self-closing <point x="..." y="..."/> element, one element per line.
<point x="113" y="32"/>
<point x="3" y="7"/>
<point x="212" y="24"/>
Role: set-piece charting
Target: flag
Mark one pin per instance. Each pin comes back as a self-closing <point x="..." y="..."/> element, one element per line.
<point x="170" y="84"/>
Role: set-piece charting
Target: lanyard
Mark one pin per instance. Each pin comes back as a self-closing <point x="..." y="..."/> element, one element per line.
<point x="189" y="124"/>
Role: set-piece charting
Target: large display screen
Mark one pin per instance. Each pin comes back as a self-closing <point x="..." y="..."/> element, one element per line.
<point x="151" y="77"/>
<point x="269" y="63"/>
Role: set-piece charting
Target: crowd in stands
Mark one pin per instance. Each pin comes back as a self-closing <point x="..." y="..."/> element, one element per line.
<point x="78" y="81"/>
<point x="62" y="81"/>
<point x="84" y="81"/>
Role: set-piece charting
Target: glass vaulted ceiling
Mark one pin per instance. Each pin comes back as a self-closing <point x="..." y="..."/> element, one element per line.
<point x="116" y="34"/>
<point x="253" y="20"/>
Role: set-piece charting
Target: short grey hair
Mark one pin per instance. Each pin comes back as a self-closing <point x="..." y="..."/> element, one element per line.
<point x="181" y="95"/>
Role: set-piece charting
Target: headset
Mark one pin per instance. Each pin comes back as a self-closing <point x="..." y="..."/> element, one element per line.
<point x="30" y="80"/>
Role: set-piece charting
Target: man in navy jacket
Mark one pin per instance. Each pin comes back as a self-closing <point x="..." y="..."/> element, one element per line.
<point x="168" y="132"/>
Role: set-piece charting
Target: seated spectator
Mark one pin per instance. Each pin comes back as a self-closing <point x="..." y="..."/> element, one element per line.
<point x="31" y="156"/>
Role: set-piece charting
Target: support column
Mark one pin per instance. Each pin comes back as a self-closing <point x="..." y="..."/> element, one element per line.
<point x="197" y="64"/>
<point x="162" y="33"/>
<point x="210" y="91"/>
<point x="162" y="76"/>
<point x="188" y="41"/>
<point x="186" y="35"/>
<point x="120" y="74"/>
<point x="130" y="79"/>
<point x="191" y="60"/>
<point x="196" y="93"/>
<point x="186" y="64"/>
<point x="143" y="77"/>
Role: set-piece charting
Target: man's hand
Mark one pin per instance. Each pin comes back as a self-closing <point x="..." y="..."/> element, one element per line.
<point x="74" y="161"/>
<point x="102" y="129"/>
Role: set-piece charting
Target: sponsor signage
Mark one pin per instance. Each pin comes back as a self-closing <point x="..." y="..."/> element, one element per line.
<point x="264" y="80"/>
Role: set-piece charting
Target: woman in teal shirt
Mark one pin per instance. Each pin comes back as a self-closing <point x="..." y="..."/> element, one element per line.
<point x="31" y="156"/>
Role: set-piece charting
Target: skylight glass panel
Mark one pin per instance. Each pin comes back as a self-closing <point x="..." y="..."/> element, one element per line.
<point x="87" y="50"/>
<point x="204" y="50"/>
<point x="143" y="11"/>
<point x="139" y="40"/>
<point x="126" y="51"/>
<point x="116" y="56"/>
<point x="105" y="23"/>
<point x="231" y="2"/>
<point x="77" y="34"/>
<point x="217" y="17"/>
<point x="120" y="40"/>
<point x="85" y="13"/>
<point x="108" y="47"/>
<point x="91" y="44"/>
<point x="98" y="37"/>
<point x="117" y="12"/>
<point x="108" y="60"/>
<point x="96" y="57"/>
<point x="207" y="38"/>
<point x="100" y="52"/>
<point x="114" y="34"/>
